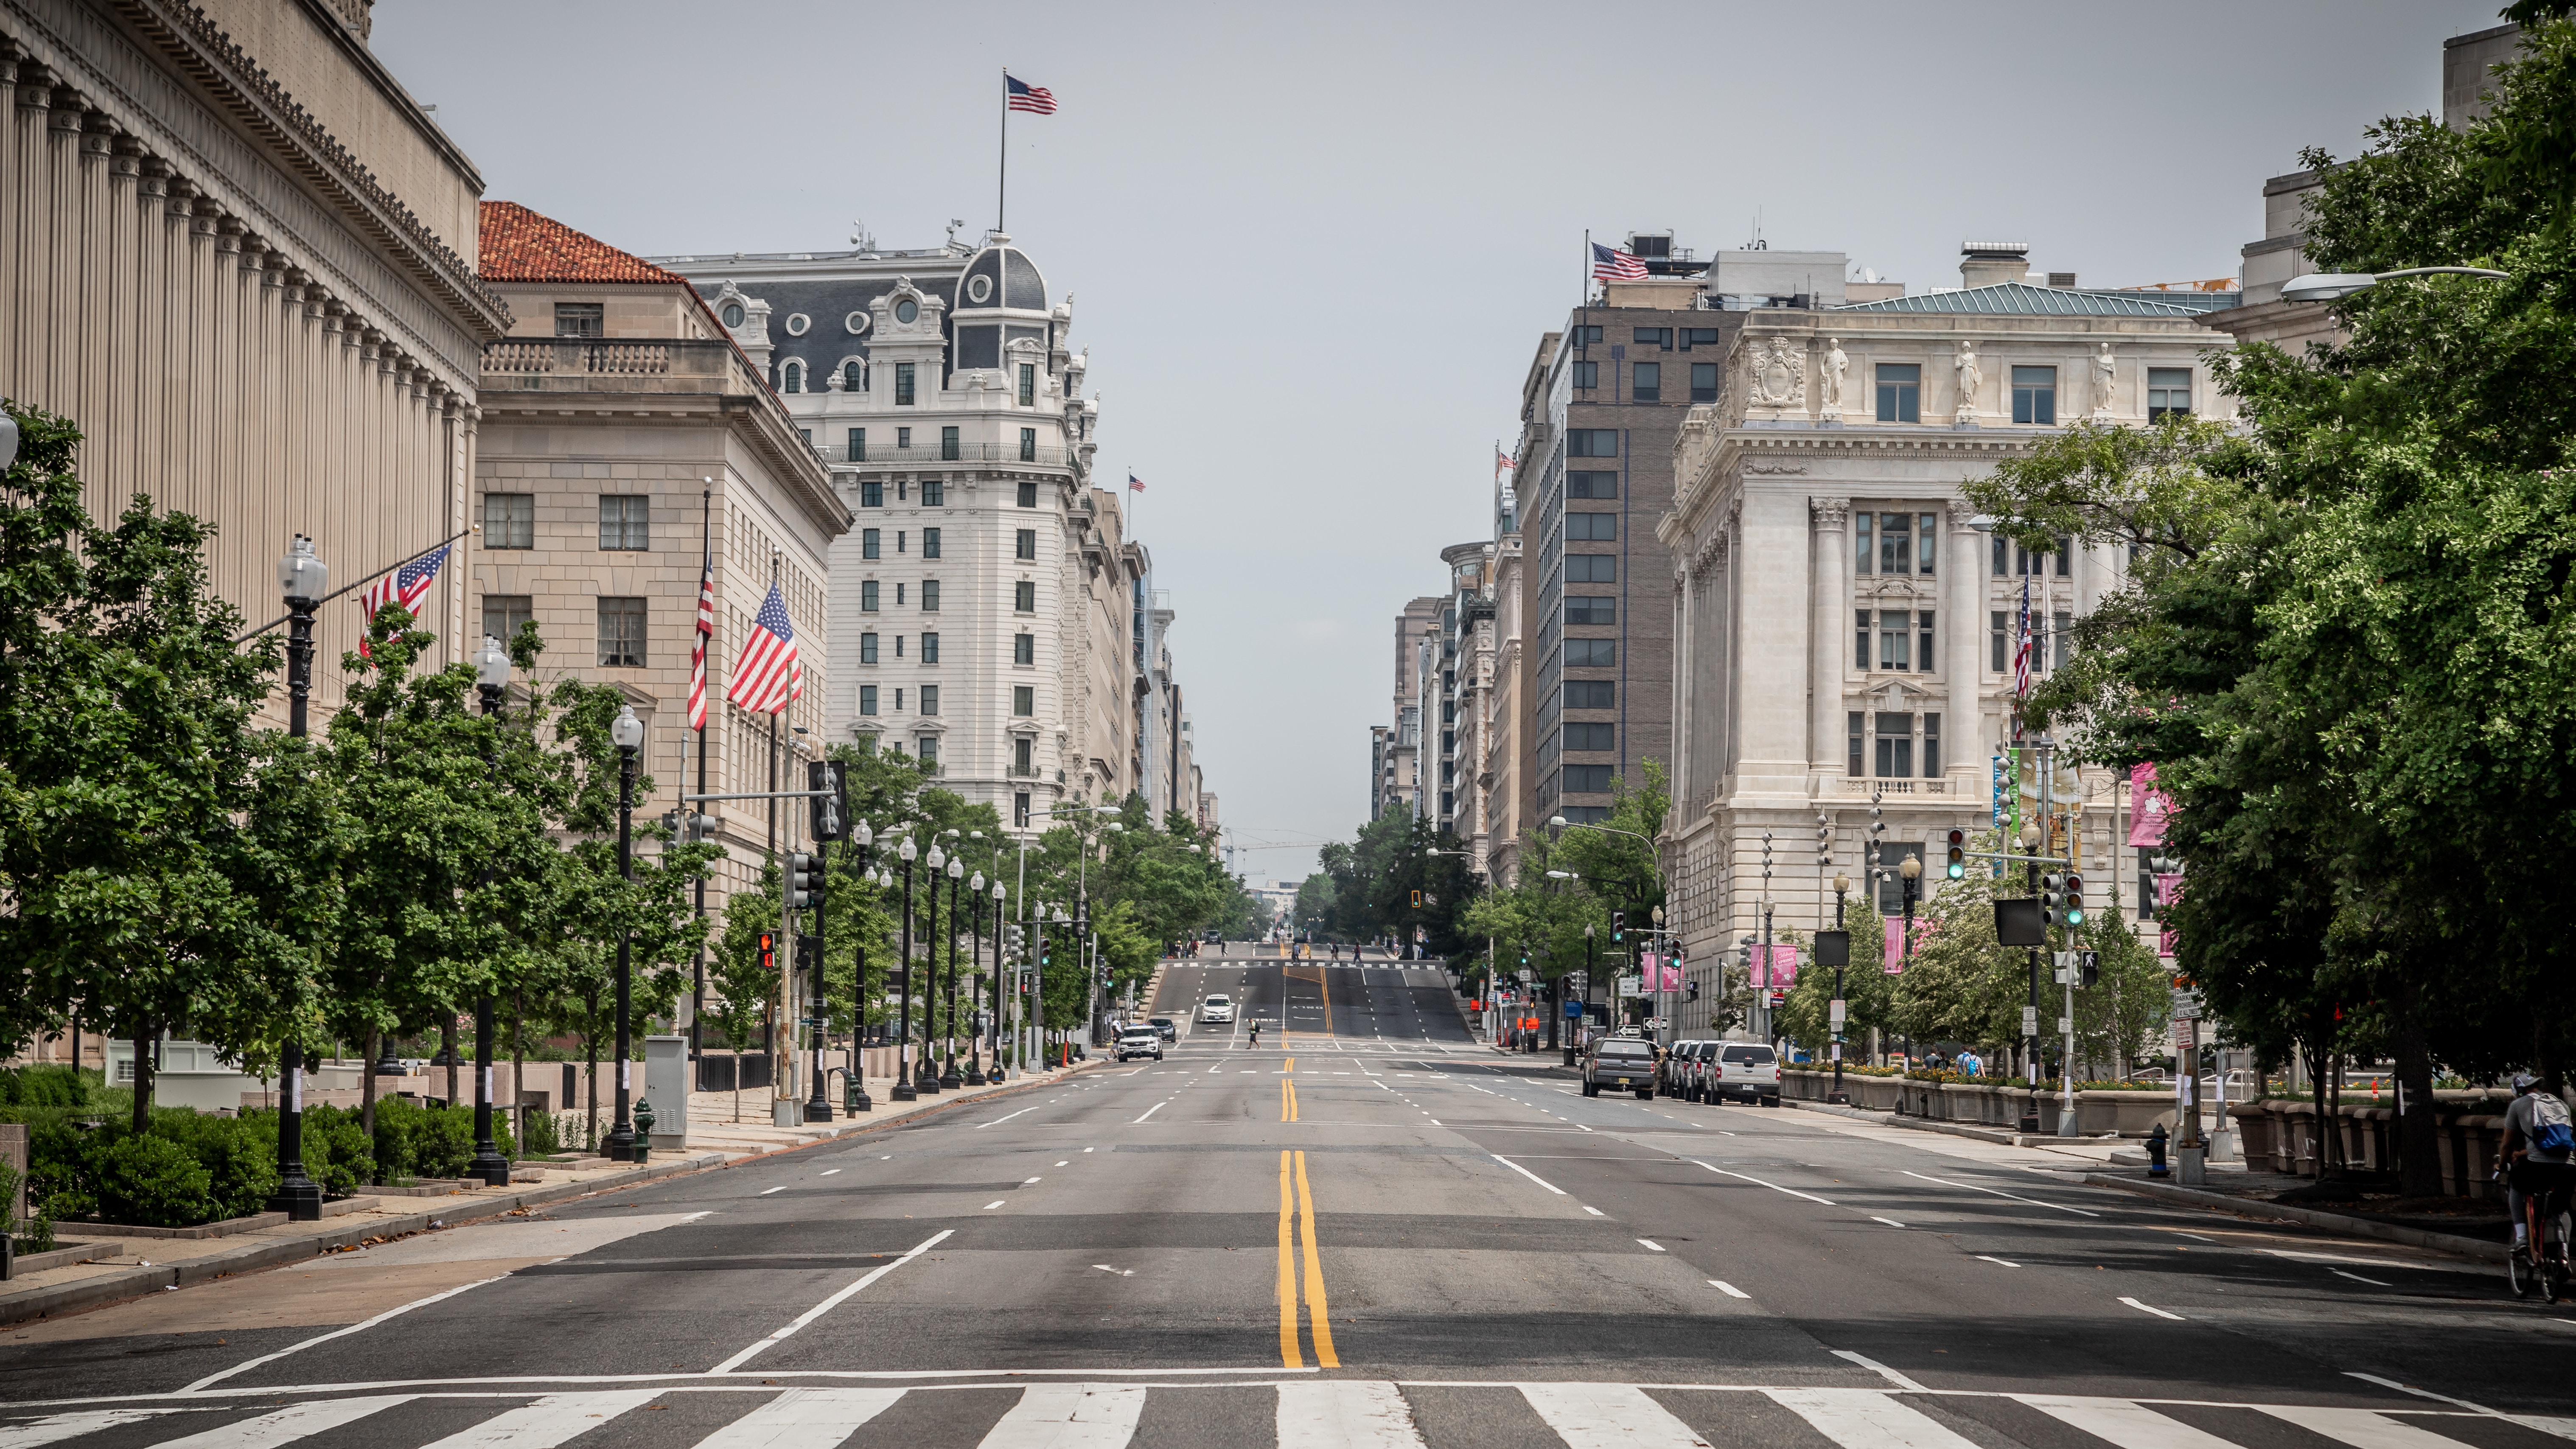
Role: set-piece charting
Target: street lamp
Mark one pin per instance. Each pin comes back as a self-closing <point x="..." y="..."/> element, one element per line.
<point x="1591" y="958"/>
<point x="993" y="1029"/>
<point x="949" y="1078"/>
<point x="1842" y="887"/>
<point x="927" y="1080"/>
<point x="904" y="1091"/>
<point x="2335" y="286"/>
<point x="860" y="1101"/>
<point x="492" y="678"/>
<point x="628" y="735"/>
<point x="303" y="579"/>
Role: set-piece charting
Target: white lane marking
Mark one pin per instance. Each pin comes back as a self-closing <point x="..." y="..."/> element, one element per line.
<point x="1525" y="1172"/>
<point x="67" y="1426"/>
<point x="1026" y="1182"/>
<point x="997" y="1202"/>
<point x="1729" y="1289"/>
<point x="2034" y="1202"/>
<point x="803" y="1419"/>
<point x="1090" y="1149"/>
<point x="1435" y="1121"/>
<point x="2196" y="1237"/>
<point x="2158" y="1312"/>
<point x="998" y="1121"/>
<point x="2357" y="1278"/>
<point x="1880" y="1369"/>
<point x="2429" y="1394"/>
<point x="766" y="1191"/>
<point x="1609" y="1416"/>
<point x="1123" y="1273"/>
<point x="1069" y="1416"/>
<point x="252" y="1363"/>
<point x="829" y="1171"/>
<point x="1060" y="1164"/>
<point x="1990" y="1258"/>
<point x="1345" y="1414"/>
<point x="828" y="1304"/>
<point x="1582" y="1127"/>
<point x="1651" y="1245"/>
<point x="1891" y="1222"/>
<point x="288" y="1425"/>
<point x="2361" y="1428"/>
<point x="1150" y="1111"/>
<point x="1775" y="1187"/>
<point x="2123" y="1422"/>
<point x="547" y="1422"/>
<point x="1868" y="1416"/>
<point x="1596" y="1212"/>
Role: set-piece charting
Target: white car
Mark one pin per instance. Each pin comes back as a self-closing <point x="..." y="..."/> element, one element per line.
<point x="1217" y="1009"/>
<point x="1140" y="1040"/>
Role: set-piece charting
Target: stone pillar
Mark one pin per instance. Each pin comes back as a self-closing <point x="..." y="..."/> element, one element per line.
<point x="1830" y="662"/>
<point x="1965" y="735"/>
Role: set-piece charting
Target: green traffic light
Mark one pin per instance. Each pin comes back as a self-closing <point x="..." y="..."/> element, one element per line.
<point x="2075" y="915"/>
<point x="1958" y="871"/>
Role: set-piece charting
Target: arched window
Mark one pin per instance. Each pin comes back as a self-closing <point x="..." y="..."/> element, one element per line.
<point x="850" y="377"/>
<point x="794" y="376"/>
<point x="733" y="314"/>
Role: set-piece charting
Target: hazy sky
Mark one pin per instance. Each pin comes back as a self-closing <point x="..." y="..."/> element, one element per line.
<point x="1311" y="247"/>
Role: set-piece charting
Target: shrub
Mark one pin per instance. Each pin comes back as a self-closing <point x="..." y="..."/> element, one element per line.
<point x="152" y="1181"/>
<point x="44" y="1085"/>
<point x="543" y="1140"/>
<point x="238" y="1153"/>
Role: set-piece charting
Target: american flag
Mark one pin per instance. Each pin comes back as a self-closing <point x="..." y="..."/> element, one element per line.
<point x="1135" y="484"/>
<point x="404" y="586"/>
<point x="706" y="635"/>
<point x="2022" y="650"/>
<point x="1036" y="100"/>
<point x="1502" y="462"/>
<point x="1609" y="264"/>
<point x="767" y="673"/>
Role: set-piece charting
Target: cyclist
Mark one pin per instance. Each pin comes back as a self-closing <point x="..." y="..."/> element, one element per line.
<point x="2535" y="1157"/>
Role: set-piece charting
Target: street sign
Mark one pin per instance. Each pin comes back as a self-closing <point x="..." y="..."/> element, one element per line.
<point x="1657" y="1023"/>
<point x="2030" y="1021"/>
<point x="1834" y="1014"/>
<point x="1574" y="1009"/>
<point x="2065" y="1024"/>
<point x="1630" y="986"/>
<point x="1526" y="976"/>
<point x="2186" y="1006"/>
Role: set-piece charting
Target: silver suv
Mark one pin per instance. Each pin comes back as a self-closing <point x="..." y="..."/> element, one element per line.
<point x="1140" y="1040"/>
<point x="1749" y="1070"/>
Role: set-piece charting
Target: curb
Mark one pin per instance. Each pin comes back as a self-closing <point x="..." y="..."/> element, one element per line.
<point x="2338" y="1222"/>
<point x="838" y="1130"/>
<point x="1919" y="1124"/>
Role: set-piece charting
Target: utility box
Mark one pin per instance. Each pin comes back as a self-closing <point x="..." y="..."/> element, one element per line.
<point x="666" y="1085"/>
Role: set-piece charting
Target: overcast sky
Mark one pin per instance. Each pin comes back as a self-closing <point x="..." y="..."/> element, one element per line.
<point x="1311" y="247"/>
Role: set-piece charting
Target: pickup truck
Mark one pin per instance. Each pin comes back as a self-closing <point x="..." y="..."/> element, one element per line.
<point x="1748" y="1070"/>
<point x="1622" y="1063"/>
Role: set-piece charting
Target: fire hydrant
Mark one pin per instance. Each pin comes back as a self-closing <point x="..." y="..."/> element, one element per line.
<point x="2156" y="1151"/>
<point x="644" y="1131"/>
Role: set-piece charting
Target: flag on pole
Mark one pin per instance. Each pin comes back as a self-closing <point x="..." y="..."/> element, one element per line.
<point x="1036" y="100"/>
<point x="1135" y="484"/>
<point x="767" y="673"/>
<point x="1609" y="264"/>
<point x="2021" y="650"/>
<point x="405" y="586"/>
<point x="1502" y="462"/>
<point x="706" y="634"/>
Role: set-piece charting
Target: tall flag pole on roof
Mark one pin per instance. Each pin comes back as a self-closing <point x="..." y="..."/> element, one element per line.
<point x="1017" y="95"/>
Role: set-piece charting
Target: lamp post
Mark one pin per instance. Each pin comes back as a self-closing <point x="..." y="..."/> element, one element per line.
<point x="975" y="961"/>
<point x="2335" y="286"/>
<point x="628" y="735"/>
<point x="950" y="1079"/>
<point x="860" y="1101"/>
<point x="1591" y="958"/>
<point x="904" y="1091"/>
<point x="1061" y="919"/>
<point x="492" y="678"/>
<point x="993" y="1029"/>
<point x="303" y="579"/>
<point x="1842" y="886"/>
<point x="926" y="1079"/>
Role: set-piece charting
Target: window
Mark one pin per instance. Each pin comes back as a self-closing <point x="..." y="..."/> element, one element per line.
<point x="1591" y="568"/>
<point x="1923" y="542"/>
<point x="1698" y="337"/>
<point x="947" y="454"/>
<point x="1999" y="641"/>
<point x="1020" y="809"/>
<point x="934" y="491"/>
<point x="1649" y="382"/>
<point x="929" y="541"/>
<point x="1591" y="694"/>
<point x="624" y="523"/>
<point x="858" y="445"/>
<point x="929" y="648"/>
<point x="1591" y="485"/>
<point x="1900" y="392"/>
<point x="1895" y="543"/>
<point x="1592" y="442"/>
<point x="1592" y="527"/>
<point x="1028" y="493"/>
<point x="1024" y="758"/>
<point x="1931" y="747"/>
<point x="1024" y="596"/>
<point x="1859" y="744"/>
<point x="2065" y="555"/>
<point x="867" y="699"/>
<point x="1024" y="649"/>
<point x="1703" y="382"/>
<point x="898" y="653"/>
<point x="509" y="520"/>
<point x="579" y="319"/>
<point x="1587" y="374"/>
<point x="930" y="596"/>
<point x="907" y="311"/>
<point x="868" y="648"/>
<point x="1592" y="737"/>
<point x="1895" y="649"/>
<point x="1591" y="653"/>
<point x="793" y="376"/>
<point x="929" y="700"/>
<point x="852" y="380"/>
<point x="871" y="543"/>
<point x="1655" y="337"/>
<point x="1863" y="554"/>
<point x="1923" y="641"/>
<point x="1024" y="699"/>
<point x="903" y="384"/>
<point x="867" y="596"/>
<point x="1028" y="445"/>
<point x="1028" y="392"/>
<point x="621" y="633"/>
<point x="1587" y="779"/>
<point x="1860" y="637"/>
<point x="871" y="494"/>
<point x="902" y="441"/>
<point x="2035" y="395"/>
<point x="1026" y="545"/>
<point x="1585" y="334"/>
<point x="927" y="747"/>
<point x="1580" y="610"/>
<point x="2003" y="556"/>
<point x="2061" y="629"/>
<point x="898" y="699"/>
<point x="504" y="613"/>
<point x="1895" y="746"/>
<point x="733" y="314"/>
<point x="2168" y="391"/>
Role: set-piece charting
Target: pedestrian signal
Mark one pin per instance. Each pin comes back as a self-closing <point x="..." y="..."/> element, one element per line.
<point x="1958" y="854"/>
<point x="804" y="881"/>
<point x="768" y="951"/>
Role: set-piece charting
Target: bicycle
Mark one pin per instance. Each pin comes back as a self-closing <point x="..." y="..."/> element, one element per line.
<point x="2551" y="1273"/>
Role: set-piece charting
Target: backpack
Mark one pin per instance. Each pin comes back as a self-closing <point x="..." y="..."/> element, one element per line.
<point x="2549" y="1129"/>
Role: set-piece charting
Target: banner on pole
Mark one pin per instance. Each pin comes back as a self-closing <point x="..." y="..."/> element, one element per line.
<point x="2148" y="807"/>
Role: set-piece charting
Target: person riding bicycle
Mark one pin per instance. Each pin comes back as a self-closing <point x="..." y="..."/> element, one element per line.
<point x="2535" y="1157"/>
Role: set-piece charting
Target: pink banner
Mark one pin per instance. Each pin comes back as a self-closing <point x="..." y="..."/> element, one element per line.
<point x="1784" y="967"/>
<point x="2148" y="807"/>
<point x="1895" y="960"/>
<point x="1659" y="973"/>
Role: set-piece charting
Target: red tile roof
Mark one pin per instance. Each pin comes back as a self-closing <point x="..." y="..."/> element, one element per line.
<point x="518" y="245"/>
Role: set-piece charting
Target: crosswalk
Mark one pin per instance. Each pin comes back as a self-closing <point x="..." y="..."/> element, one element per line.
<point x="1299" y="1414"/>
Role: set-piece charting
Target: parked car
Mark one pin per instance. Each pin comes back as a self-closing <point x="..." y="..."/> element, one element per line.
<point x="1140" y="1040"/>
<point x="1685" y="1072"/>
<point x="1217" y="1010"/>
<point x="1169" y="1029"/>
<point x="1748" y="1070"/>
<point x="1623" y="1063"/>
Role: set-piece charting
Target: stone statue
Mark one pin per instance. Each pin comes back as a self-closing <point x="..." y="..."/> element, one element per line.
<point x="1830" y="375"/>
<point x="2102" y="384"/>
<point x="1965" y="365"/>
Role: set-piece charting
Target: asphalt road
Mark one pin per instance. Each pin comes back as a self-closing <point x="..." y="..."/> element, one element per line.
<point x="1367" y="1231"/>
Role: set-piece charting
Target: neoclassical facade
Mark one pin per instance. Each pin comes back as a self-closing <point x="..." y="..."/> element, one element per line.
<point x="1844" y="630"/>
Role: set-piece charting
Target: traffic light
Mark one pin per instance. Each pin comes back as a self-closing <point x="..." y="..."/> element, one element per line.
<point x="2052" y="898"/>
<point x="768" y="950"/>
<point x="1958" y="854"/>
<point x="804" y="881"/>
<point x="1618" y="927"/>
<point x="2074" y="899"/>
<point x="1417" y="900"/>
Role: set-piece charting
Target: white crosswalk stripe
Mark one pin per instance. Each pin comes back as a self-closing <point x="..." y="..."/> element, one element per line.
<point x="1869" y="1419"/>
<point x="803" y="1419"/>
<point x="54" y="1428"/>
<point x="2363" y="1429"/>
<point x="289" y="1424"/>
<point x="2124" y="1424"/>
<point x="1609" y="1416"/>
<point x="549" y="1421"/>
<point x="1069" y="1416"/>
<point x="1345" y="1414"/>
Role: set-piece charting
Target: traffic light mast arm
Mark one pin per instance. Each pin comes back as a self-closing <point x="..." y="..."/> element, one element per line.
<point x="762" y="795"/>
<point x="2032" y="859"/>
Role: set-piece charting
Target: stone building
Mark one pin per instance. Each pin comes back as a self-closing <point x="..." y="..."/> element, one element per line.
<point x="1844" y="630"/>
<point x="624" y="432"/>
<point x="237" y="254"/>
<point x="1464" y="678"/>
<point x="1404" y="775"/>
<point x="1502" y="758"/>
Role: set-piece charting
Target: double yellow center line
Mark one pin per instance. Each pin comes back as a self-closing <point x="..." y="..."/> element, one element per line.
<point x="1300" y="1207"/>
<point x="1288" y="1092"/>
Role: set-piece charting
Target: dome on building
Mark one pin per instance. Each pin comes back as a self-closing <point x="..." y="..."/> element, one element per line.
<point x="1000" y="276"/>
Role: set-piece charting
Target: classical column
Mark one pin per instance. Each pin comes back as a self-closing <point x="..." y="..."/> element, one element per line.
<point x="1829" y="662"/>
<point x="1965" y="736"/>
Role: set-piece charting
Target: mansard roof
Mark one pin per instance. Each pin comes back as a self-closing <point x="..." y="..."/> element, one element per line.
<point x="2023" y="298"/>
<point x="519" y="245"/>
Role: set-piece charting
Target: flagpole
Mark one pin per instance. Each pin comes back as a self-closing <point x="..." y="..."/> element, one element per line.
<point x="698" y="959"/>
<point x="1002" y="199"/>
